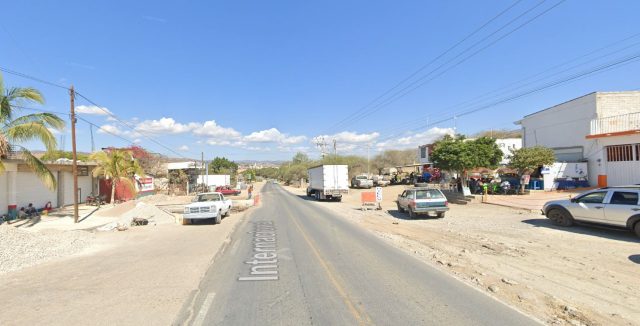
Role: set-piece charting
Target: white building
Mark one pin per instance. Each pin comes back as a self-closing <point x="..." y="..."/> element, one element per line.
<point x="507" y="145"/>
<point x="19" y="186"/>
<point x="601" y="128"/>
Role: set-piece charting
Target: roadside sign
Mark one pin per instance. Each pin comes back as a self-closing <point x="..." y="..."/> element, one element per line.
<point x="379" y="194"/>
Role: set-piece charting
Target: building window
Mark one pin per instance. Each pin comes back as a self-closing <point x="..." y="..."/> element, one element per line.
<point x="621" y="153"/>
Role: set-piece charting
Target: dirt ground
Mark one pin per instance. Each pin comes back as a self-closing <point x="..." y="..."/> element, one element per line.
<point x="141" y="276"/>
<point x="563" y="276"/>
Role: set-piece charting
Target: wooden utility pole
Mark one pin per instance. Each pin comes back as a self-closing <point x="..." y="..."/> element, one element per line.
<point x="74" y="166"/>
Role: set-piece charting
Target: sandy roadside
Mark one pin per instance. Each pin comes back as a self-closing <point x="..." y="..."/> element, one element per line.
<point x="574" y="276"/>
<point x="141" y="276"/>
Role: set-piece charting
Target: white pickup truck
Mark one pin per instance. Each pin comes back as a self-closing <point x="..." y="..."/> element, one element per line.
<point x="208" y="205"/>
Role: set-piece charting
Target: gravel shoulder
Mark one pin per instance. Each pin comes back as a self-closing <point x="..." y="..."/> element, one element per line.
<point x="573" y="276"/>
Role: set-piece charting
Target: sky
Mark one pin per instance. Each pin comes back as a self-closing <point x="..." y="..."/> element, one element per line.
<point x="262" y="80"/>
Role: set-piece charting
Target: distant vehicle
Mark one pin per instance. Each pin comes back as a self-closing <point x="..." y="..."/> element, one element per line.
<point x="208" y="205"/>
<point x="614" y="206"/>
<point x="422" y="201"/>
<point x="381" y="181"/>
<point x="328" y="182"/>
<point x="228" y="191"/>
<point x="361" y="181"/>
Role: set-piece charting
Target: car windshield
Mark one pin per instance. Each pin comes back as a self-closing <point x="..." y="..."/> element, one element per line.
<point x="428" y="194"/>
<point x="208" y="197"/>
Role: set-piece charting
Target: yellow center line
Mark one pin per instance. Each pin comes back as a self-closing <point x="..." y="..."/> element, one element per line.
<point x="332" y="277"/>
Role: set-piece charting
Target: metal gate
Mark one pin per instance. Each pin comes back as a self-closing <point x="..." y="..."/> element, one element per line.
<point x="623" y="164"/>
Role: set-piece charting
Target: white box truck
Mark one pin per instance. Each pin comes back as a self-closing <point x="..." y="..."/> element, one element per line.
<point x="328" y="182"/>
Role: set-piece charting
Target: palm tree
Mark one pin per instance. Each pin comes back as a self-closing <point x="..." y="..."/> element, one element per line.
<point x="19" y="129"/>
<point x="117" y="165"/>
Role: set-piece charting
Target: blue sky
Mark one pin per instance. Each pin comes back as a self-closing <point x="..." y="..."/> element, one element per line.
<point x="261" y="79"/>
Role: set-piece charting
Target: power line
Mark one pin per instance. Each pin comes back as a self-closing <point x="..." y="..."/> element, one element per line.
<point x="412" y="86"/>
<point x="512" y="88"/>
<point x="427" y="64"/>
<point x="601" y="68"/>
<point x="421" y="81"/>
<point x="19" y="74"/>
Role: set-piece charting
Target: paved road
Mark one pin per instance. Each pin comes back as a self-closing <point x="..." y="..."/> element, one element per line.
<point x="312" y="267"/>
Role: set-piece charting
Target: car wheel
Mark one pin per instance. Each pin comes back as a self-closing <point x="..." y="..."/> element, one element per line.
<point x="441" y="215"/>
<point x="560" y="217"/>
<point x="218" y="218"/>
<point x="636" y="229"/>
<point x="412" y="214"/>
<point x="400" y="209"/>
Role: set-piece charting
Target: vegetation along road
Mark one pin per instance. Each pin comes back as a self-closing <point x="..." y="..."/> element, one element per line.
<point x="292" y="263"/>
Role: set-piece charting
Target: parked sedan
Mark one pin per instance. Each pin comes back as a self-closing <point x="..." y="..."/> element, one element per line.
<point x="614" y="206"/>
<point x="421" y="200"/>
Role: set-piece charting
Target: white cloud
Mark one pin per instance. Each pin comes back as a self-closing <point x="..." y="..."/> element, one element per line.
<point x="408" y="141"/>
<point x="165" y="126"/>
<point x="137" y="141"/>
<point x="351" y="137"/>
<point x="92" y="109"/>
<point x="183" y="148"/>
<point x="273" y="135"/>
<point x="212" y="129"/>
<point x="110" y="129"/>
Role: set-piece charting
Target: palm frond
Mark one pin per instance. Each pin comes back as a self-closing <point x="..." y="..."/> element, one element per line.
<point x="5" y="109"/>
<point x="39" y="169"/>
<point x="28" y="94"/>
<point x="29" y="131"/>
<point x="47" y="119"/>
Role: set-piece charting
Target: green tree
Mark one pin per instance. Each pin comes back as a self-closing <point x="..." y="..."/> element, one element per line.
<point x="117" y="165"/>
<point x="460" y="155"/>
<point x="300" y="158"/>
<point x="452" y="154"/>
<point x="525" y="160"/>
<point x="222" y="165"/>
<point x="15" y="130"/>
<point x="485" y="153"/>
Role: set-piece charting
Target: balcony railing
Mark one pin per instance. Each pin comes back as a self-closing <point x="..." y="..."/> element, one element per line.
<point x="616" y="124"/>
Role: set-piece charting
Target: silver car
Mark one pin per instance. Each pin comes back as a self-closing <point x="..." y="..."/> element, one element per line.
<point x="421" y="200"/>
<point x="615" y="206"/>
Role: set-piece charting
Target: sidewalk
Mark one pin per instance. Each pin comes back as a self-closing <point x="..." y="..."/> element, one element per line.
<point x="533" y="201"/>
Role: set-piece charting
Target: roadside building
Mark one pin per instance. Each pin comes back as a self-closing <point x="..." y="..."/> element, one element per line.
<point x="507" y="145"/>
<point x="601" y="129"/>
<point x="20" y="186"/>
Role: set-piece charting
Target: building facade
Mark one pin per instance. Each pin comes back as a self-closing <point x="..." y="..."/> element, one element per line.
<point x="601" y="128"/>
<point x="20" y="186"/>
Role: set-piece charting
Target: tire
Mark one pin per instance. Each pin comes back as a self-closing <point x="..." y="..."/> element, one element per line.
<point x="338" y="199"/>
<point x="186" y="221"/>
<point x="440" y="215"/>
<point x="560" y="217"/>
<point x="636" y="229"/>
<point x="400" y="209"/>
<point x="412" y="215"/>
<point x="218" y="218"/>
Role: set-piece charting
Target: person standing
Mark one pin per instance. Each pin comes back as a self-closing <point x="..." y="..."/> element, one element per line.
<point x="250" y="191"/>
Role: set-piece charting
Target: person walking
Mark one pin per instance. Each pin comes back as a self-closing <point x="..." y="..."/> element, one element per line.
<point x="250" y="191"/>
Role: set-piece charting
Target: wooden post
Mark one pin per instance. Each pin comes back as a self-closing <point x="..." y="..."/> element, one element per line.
<point x="74" y="166"/>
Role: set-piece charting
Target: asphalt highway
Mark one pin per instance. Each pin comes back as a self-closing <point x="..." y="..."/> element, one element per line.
<point x="295" y="263"/>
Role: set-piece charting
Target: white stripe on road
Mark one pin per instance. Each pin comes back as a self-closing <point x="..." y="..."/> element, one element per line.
<point x="204" y="309"/>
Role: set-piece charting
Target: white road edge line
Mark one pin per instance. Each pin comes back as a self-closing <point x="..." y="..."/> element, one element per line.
<point x="204" y="309"/>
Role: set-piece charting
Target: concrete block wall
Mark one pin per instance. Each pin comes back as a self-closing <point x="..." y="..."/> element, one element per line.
<point x="618" y="103"/>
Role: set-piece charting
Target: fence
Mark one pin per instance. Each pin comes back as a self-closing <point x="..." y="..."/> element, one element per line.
<point x="617" y="123"/>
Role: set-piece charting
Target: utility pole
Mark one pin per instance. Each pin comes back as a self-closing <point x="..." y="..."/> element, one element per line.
<point x="93" y="144"/>
<point x="202" y="160"/>
<point x="74" y="166"/>
<point x="335" y="148"/>
<point x="368" y="147"/>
